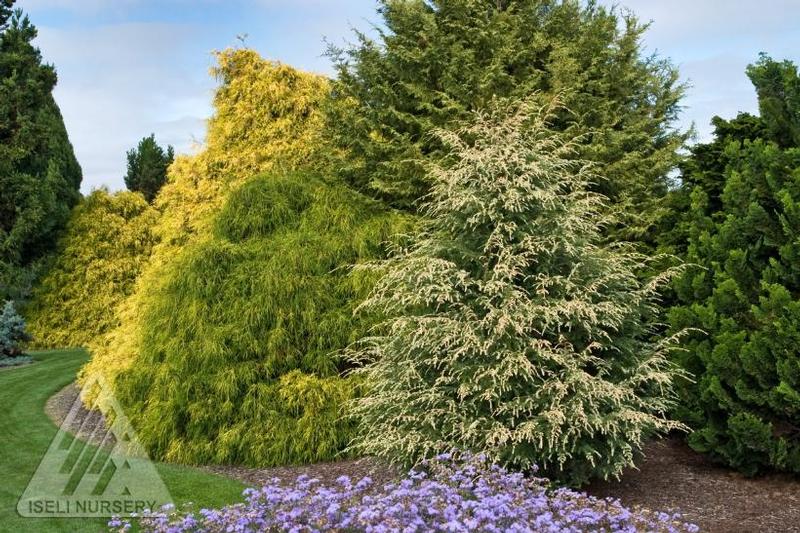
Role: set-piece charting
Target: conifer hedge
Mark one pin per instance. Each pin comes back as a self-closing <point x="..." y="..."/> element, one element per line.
<point x="237" y="360"/>
<point x="738" y="218"/>
<point x="106" y="245"/>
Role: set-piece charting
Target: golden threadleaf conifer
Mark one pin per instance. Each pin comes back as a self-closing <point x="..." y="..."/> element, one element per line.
<point x="266" y="118"/>
<point x="106" y="245"/>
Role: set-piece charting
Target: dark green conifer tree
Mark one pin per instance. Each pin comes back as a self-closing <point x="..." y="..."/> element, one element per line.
<point x="39" y="175"/>
<point x="437" y="60"/>
<point x="147" y="167"/>
<point x="740" y="222"/>
<point x="6" y="7"/>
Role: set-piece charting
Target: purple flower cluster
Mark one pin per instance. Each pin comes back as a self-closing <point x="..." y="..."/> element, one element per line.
<point x="443" y="495"/>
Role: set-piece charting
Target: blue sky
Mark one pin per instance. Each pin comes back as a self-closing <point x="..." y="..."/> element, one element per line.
<point x="131" y="67"/>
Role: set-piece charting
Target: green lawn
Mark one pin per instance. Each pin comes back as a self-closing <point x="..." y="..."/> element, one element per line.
<point x="26" y="433"/>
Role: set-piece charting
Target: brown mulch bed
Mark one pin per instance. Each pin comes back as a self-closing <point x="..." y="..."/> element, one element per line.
<point x="89" y="426"/>
<point x="671" y="477"/>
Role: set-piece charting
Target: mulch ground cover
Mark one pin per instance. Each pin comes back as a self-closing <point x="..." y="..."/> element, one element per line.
<point x="671" y="477"/>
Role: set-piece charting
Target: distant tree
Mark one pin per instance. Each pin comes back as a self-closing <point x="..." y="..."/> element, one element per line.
<point x="147" y="167"/>
<point x="39" y="175"/>
<point x="737" y="215"/>
<point x="434" y="61"/>
<point x="510" y="329"/>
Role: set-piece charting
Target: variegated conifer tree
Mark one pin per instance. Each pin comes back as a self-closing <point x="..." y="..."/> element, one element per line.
<point x="509" y="330"/>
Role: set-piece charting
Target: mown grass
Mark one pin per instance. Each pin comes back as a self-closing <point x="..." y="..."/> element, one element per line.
<point x="27" y="432"/>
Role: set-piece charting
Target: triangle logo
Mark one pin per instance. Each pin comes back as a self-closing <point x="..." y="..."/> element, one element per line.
<point x="102" y="472"/>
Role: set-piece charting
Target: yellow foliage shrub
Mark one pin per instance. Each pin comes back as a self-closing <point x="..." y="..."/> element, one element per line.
<point x="239" y="355"/>
<point x="266" y="118"/>
<point x="106" y="244"/>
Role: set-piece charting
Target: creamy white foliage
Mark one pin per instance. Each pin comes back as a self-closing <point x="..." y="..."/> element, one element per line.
<point x="509" y="329"/>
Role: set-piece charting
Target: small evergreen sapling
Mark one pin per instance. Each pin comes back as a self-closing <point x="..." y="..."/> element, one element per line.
<point x="509" y="330"/>
<point x="12" y="331"/>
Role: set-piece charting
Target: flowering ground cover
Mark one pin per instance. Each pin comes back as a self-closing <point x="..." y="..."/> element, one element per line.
<point x="445" y="494"/>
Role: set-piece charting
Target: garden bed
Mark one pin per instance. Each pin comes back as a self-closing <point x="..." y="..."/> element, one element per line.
<point x="87" y="425"/>
<point x="672" y="477"/>
<point x="715" y="498"/>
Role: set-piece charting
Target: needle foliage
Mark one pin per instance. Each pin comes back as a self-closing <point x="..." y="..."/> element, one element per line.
<point x="266" y="118"/>
<point x="104" y="248"/>
<point x="737" y="216"/>
<point x="147" y="167"/>
<point x="235" y="363"/>
<point x="435" y="61"/>
<point x="223" y="352"/>
<point x="13" y="331"/>
<point x="39" y="175"/>
<point x="510" y="331"/>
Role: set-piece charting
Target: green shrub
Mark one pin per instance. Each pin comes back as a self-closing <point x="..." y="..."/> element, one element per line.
<point x="13" y="333"/>
<point x="6" y="362"/>
<point x="236" y="360"/>
<point x="104" y="248"/>
<point x="738" y="218"/>
<point x="510" y="330"/>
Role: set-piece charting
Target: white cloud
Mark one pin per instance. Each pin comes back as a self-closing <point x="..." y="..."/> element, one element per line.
<point x="120" y="83"/>
<point x="712" y="42"/>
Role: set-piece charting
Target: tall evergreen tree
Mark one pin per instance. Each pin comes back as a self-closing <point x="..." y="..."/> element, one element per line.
<point x="778" y="88"/>
<point x="6" y="8"/>
<point x="147" y="167"/>
<point x="437" y="60"/>
<point x="739" y="219"/>
<point x="39" y="175"/>
<point x="510" y="330"/>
